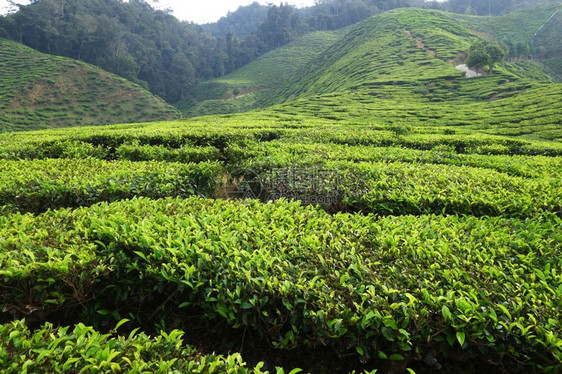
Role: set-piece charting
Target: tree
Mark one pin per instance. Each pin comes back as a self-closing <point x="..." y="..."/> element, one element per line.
<point x="477" y="59"/>
<point x="3" y="27"/>
<point x="183" y="77"/>
<point x="483" y="53"/>
<point x="521" y="50"/>
<point x="495" y="55"/>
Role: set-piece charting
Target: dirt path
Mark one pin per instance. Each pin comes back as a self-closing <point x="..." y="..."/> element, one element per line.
<point x="469" y="72"/>
<point x="419" y="42"/>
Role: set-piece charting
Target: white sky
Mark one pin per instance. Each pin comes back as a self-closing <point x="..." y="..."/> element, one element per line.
<point x="207" y="11"/>
<point x="198" y="11"/>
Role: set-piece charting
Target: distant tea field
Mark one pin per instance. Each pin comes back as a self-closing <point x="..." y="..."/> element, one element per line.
<point x="40" y="91"/>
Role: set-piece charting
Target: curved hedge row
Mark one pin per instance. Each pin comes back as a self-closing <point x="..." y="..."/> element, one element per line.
<point x="282" y="153"/>
<point x="192" y="142"/>
<point x="38" y="185"/>
<point x="395" y="188"/>
<point x="398" y="188"/>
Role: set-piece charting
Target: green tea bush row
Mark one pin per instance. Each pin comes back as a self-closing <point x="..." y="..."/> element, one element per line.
<point x="480" y="144"/>
<point x="283" y="153"/>
<point x="104" y="143"/>
<point x="395" y="136"/>
<point x="398" y="188"/>
<point x="49" y="349"/>
<point x="38" y="185"/>
<point x="52" y="149"/>
<point x="185" y="154"/>
<point x="393" y="288"/>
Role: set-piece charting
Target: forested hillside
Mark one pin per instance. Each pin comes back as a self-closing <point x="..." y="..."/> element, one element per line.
<point x="146" y="46"/>
<point x="243" y="21"/>
<point x="42" y="91"/>
<point x="169" y="57"/>
<point x="130" y="39"/>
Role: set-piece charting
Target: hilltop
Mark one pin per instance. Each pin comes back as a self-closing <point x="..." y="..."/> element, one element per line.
<point x="42" y="91"/>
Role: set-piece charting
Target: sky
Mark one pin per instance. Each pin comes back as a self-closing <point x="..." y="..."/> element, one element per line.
<point x="207" y="11"/>
<point x="198" y="11"/>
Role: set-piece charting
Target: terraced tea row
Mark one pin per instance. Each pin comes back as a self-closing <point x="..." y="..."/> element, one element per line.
<point x="183" y="141"/>
<point x="55" y="183"/>
<point x="56" y="350"/>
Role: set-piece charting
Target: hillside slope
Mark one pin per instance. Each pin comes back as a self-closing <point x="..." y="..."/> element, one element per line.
<point x="394" y="48"/>
<point x="398" y="69"/>
<point x="404" y="49"/>
<point x="532" y="26"/>
<point x="43" y="91"/>
<point x="243" y="89"/>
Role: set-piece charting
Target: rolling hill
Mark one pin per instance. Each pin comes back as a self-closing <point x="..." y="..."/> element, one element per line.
<point x="42" y="91"/>
<point x="396" y="48"/>
<point x="400" y="50"/>
<point x="247" y="87"/>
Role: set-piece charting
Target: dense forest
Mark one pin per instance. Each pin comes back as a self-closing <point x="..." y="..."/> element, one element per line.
<point x="154" y="49"/>
<point x="240" y="23"/>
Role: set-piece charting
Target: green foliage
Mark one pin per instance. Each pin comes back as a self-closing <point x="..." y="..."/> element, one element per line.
<point x="481" y="54"/>
<point x="240" y="23"/>
<point x="185" y="154"/>
<point x="533" y="70"/>
<point x="495" y="54"/>
<point x="82" y="348"/>
<point x="401" y="181"/>
<point x="477" y="59"/>
<point x="299" y="276"/>
<point x="554" y="65"/>
<point x="55" y="183"/>
<point x="388" y="189"/>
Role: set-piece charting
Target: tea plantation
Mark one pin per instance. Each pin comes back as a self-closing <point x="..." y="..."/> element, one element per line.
<point x="387" y="215"/>
<point x="245" y="88"/>
<point x="39" y="91"/>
